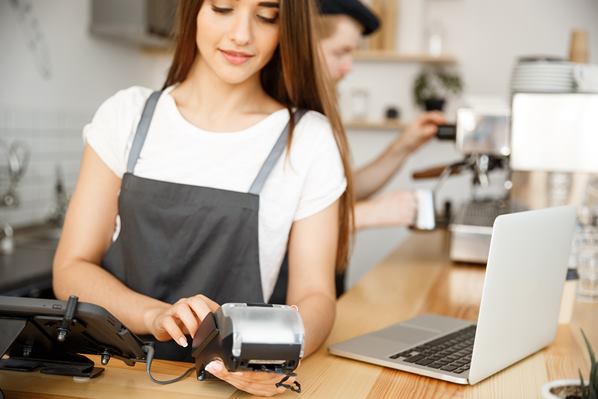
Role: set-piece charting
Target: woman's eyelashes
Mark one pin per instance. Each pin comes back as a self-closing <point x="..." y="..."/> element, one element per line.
<point x="269" y="19"/>
<point x="221" y="10"/>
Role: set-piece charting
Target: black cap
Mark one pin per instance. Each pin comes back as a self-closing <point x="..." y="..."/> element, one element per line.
<point x="352" y="8"/>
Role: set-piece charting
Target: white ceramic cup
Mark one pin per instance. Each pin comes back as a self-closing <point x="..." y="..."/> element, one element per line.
<point x="426" y="212"/>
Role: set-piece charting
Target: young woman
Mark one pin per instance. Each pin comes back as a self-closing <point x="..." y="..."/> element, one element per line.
<point x="191" y="197"/>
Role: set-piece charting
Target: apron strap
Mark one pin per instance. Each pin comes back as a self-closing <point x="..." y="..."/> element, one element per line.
<point x="142" y="129"/>
<point x="274" y="156"/>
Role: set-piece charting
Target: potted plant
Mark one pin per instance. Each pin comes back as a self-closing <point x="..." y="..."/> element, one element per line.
<point x="575" y="389"/>
<point x="432" y="86"/>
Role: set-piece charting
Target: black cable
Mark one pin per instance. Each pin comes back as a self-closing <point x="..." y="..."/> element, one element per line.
<point x="149" y="350"/>
<point x="1" y="394"/>
<point x="296" y="387"/>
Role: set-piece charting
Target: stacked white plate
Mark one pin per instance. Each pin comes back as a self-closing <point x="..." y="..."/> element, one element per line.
<point x="543" y="77"/>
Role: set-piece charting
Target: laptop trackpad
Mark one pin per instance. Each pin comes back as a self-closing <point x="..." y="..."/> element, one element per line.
<point x="407" y="335"/>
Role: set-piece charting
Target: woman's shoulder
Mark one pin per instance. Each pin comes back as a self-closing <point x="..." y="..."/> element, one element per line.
<point x="123" y="108"/>
<point x="313" y="138"/>
<point x="133" y="97"/>
<point x="314" y="123"/>
<point x="111" y="130"/>
<point x="316" y="119"/>
<point x="314" y="129"/>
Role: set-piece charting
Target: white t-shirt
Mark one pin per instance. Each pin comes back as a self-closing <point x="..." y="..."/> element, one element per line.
<point x="179" y="152"/>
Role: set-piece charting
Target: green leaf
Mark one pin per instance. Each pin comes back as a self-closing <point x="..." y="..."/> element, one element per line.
<point x="590" y="350"/>
<point x="435" y="83"/>
<point x="592" y="389"/>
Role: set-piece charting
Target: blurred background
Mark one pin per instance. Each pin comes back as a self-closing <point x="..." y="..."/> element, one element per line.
<point x="62" y="58"/>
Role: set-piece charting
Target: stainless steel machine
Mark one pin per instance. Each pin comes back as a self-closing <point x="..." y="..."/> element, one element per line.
<point x="541" y="138"/>
<point x="554" y="147"/>
<point x="481" y="134"/>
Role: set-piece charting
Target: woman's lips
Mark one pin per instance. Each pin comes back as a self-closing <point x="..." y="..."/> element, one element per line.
<point x="235" y="58"/>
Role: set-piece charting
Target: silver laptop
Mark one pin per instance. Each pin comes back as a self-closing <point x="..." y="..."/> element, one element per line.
<point x="518" y="315"/>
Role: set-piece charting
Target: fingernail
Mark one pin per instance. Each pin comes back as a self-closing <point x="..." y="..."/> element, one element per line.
<point x="214" y="367"/>
<point x="183" y="342"/>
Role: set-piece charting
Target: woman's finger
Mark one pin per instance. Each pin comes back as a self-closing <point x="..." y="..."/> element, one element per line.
<point x="199" y="307"/>
<point x="257" y="384"/>
<point x="261" y="385"/>
<point x="213" y="306"/>
<point x="173" y="330"/>
<point x="252" y="386"/>
<point x="183" y="312"/>
<point x="258" y="376"/>
<point x="265" y="387"/>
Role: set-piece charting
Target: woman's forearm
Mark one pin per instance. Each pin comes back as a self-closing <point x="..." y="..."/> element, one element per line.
<point x="93" y="284"/>
<point x="318" y="312"/>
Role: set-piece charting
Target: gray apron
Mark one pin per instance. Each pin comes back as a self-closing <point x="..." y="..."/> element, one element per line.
<point x="180" y="240"/>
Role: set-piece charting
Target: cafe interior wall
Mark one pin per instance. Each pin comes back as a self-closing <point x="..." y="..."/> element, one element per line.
<point x="53" y="76"/>
<point x="485" y="36"/>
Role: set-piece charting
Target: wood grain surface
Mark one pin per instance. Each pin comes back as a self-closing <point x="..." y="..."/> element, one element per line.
<point x="416" y="278"/>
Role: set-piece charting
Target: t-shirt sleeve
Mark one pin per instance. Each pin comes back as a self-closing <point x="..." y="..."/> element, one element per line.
<point x="111" y="130"/>
<point x="325" y="180"/>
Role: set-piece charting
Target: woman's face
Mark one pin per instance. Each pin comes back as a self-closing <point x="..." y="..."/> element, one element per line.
<point x="237" y="38"/>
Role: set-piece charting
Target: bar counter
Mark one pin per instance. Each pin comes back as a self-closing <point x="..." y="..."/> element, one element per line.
<point x="416" y="278"/>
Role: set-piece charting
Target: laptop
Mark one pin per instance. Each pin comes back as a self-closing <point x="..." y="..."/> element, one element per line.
<point x="525" y="274"/>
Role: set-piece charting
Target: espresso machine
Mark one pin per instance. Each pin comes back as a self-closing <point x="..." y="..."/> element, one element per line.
<point x="554" y="147"/>
<point x="546" y="146"/>
<point x="481" y="135"/>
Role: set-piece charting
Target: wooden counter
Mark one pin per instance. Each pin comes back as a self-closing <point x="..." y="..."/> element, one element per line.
<point x="416" y="278"/>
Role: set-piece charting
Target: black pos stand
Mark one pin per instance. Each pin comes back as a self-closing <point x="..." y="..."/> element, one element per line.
<point x="51" y="336"/>
<point x="31" y="354"/>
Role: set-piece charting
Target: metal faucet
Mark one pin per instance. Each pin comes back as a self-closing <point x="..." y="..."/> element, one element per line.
<point x="61" y="200"/>
<point x="18" y="160"/>
<point x="7" y="240"/>
<point x="17" y="156"/>
<point x="6" y="231"/>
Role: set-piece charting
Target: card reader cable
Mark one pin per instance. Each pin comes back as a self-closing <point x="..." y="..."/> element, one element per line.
<point x="150" y="351"/>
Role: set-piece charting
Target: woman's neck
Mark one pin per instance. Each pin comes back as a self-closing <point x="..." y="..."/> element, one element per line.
<point x="207" y="101"/>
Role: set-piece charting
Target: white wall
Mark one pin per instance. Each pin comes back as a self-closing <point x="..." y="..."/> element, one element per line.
<point x="49" y="113"/>
<point x="486" y="36"/>
<point x="86" y="70"/>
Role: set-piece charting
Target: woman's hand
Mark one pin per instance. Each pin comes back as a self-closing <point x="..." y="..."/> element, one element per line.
<point x="253" y="382"/>
<point x="180" y="319"/>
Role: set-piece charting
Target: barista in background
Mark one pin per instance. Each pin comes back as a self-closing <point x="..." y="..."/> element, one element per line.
<point x="342" y="25"/>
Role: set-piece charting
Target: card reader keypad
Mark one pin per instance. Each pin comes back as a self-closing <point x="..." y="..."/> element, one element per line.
<point x="451" y="352"/>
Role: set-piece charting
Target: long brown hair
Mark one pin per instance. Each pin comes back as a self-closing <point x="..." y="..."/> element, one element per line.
<point x="294" y="77"/>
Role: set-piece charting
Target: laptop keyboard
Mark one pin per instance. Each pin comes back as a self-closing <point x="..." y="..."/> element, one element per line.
<point x="448" y="353"/>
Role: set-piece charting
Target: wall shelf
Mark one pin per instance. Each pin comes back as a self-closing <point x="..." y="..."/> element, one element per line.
<point x="373" y="125"/>
<point x="392" y="56"/>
